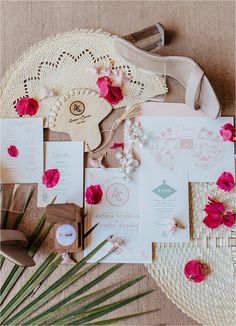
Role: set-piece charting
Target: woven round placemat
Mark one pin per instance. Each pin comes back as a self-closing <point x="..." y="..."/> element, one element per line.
<point x="211" y="302"/>
<point x="64" y="62"/>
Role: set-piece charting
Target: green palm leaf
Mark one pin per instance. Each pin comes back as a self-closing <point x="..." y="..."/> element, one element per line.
<point x="115" y="320"/>
<point x="65" y="303"/>
<point x="40" y="275"/>
<point x="68" y="278"/>
<point x="18" y="270"/>
<point x="96" y="302"/>
<point x="79" y="318"/>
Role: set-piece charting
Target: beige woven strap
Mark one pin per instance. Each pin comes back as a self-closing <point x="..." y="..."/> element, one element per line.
<point x="193" y="87"/>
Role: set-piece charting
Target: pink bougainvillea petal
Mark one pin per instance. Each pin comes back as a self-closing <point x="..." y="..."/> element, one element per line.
<point x="51" y="178"/>
<point x="226" y="181"/>
<point x="216" y="215"/>
<point x="93" y="194"/>
<point x="117" y="145"/>
<point x="229" y="219"/>
<point x="214" y="206"/>
<point x="13" y="151"/>
<point x="104" y="90"/>
<point x="213" y="221"/>
<point x="112" y="94"/>
<point x="228" y="132"/>
<point x="115" y="95"/>
<point x="27" y="106"/>
<point x="199" y="278"/>
<point x="193" y="270"/>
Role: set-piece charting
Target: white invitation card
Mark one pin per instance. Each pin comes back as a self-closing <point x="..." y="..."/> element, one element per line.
<point x="21" y="150"/>
<point x="164" y="198"/>
<point x="68" y="158"/>
<point x="117" y="215"/>
<point x="189" y="144"/>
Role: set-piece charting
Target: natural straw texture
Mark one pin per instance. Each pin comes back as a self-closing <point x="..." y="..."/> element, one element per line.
<point x="211" y="302"/>
<point x="63" y="62"/>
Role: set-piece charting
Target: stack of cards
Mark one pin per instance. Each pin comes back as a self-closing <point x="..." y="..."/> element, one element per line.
<point x="183" y="146"/>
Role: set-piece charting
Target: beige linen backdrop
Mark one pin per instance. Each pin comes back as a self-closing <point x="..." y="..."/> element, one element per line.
<point x="204" y="30"/>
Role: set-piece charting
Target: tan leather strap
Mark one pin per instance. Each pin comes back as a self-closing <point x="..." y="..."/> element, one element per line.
<point x="13" y="235"/>
<point x="193" y="86"/>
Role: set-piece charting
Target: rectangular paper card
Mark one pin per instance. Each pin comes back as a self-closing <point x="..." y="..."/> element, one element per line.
<point x="117" y="214"/>
<point x="192" y="144"/>
<point x="68" y="158"/>
<point x="26" y="134"/>
<point x="163" y="197"/>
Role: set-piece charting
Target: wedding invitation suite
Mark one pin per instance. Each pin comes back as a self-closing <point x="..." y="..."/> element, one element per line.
<point x="21" y="150"/>
<point x="117" y="215"/>
<point x="68" y="158"/>
<point x="185" y="143"/>
<point x="163" y="201"/>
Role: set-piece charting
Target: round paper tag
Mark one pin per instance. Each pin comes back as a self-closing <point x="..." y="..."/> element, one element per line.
<point x="65" y="235"/>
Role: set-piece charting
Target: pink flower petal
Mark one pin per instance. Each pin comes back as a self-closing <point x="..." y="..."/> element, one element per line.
<point x="214" y="206"/>
<point x="104" y="90"/>
<point x="225" y="181"/>
<point x="27" y="106"/>
<point x="51" y="178"/>
<point x="193" y="270"/>
<point x="111" y="93"/>
<point x="228" y="132"/>
<point x="13" y="151"/>
<point x="213" y="221"/>
<point x="229" y="219"/>
<point x="93" y="194"/>
<point x="117" y="145"/>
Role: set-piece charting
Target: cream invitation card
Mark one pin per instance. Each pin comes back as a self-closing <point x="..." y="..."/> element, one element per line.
<point x="189" y="144"/>
<point x="163" y="197"/>
<point x="68" y="158"/>
<point x="118" y="215"/>
<point x="21" y="150"/>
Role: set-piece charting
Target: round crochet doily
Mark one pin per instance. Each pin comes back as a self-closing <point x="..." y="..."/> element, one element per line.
<point x="211" y="302"/>
<point x="64" y="62"/>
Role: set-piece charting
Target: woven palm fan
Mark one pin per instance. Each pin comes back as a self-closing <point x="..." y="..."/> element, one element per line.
<point x="64" y="62"/>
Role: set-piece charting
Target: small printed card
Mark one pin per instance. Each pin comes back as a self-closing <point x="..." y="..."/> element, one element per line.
<point x="189" y="144"/>
<point x="68" y="158"/>
<point x="164" y="198"/>
<point x="21" y="150"/>
<point x="117" y="215"/>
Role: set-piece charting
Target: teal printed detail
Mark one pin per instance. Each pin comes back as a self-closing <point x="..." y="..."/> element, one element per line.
<point x="164" y="191"/>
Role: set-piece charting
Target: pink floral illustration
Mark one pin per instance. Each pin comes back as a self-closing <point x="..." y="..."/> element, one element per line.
<point x="228" y="132"/>
<point x="51" y="178"/>
<point x="225" y="181"/>
<point x="13" y="151"/>
<point x="112" y="94"/>
<point x="216" y="215"/>
<point x="193" y="270"/>
<point x="93" y="194"/>
<point x="27" y="106"/>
